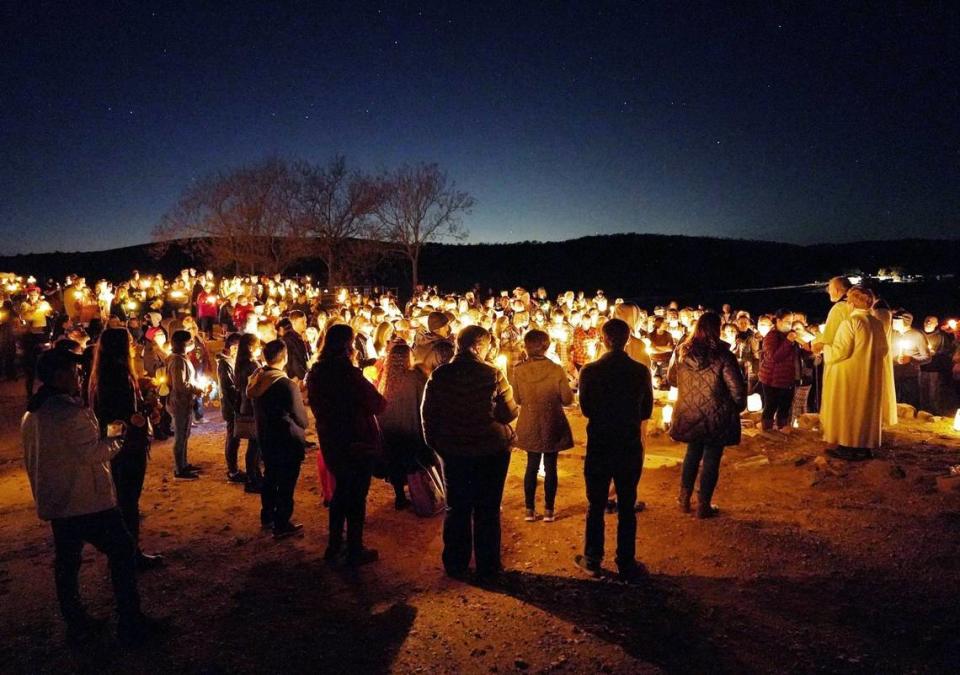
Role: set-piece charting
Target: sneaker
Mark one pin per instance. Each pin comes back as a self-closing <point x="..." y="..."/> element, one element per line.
<point x="146" y="561"/>
<point x="611" y="506"/>
<point x="236" y="477"/>
<point x="186" y="475"/>
<point x="332" y="554"/>
<point x="530" y="516"/>
<point x="591" y="568"/>
<point x="266" y="524"/>
<point x="630" y="572"/>
<point x="194" y="468"/>
<point x="707" y="511"/>
<point x="288" y="529"/>
<point x="548" y="516"/>
<point x="363" y="557"/>
<point x="639" y="507"/>
<point x="401" y="503"/>
<point x="252" y="488"/>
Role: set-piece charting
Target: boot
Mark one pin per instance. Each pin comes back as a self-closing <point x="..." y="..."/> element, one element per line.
<point x="704" y="508"/>
<point x="684" y="499"/>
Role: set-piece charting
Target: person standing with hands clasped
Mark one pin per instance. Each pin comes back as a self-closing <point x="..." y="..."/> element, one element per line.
<point x="68" y="464"/>
<point x="711" y="394"/>
<point x="616" y="397"/>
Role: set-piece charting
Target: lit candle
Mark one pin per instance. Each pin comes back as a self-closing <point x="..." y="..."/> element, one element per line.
<point x="956" y="421"/>
<point x="754" y="403"/>
<point x="666" y="415"/>
<point x="673" y="394"/>
<point x="501" y="362"/>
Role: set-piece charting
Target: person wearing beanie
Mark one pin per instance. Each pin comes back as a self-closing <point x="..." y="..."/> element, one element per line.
<point x="438" y="330"/>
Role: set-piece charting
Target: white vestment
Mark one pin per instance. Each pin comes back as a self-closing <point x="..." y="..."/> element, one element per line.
<point x="851" y="413"/>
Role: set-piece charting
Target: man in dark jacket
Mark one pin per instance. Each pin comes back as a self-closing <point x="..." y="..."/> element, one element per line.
<point x="467" y="409"/>
<point x="230" y="404"/>
<point x="616" y="396"/>
<point x="281" y="423"/>
<point x="296" y="346"/>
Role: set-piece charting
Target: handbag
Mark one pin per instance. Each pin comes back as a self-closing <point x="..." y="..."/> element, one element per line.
<point x="245" y="426"/>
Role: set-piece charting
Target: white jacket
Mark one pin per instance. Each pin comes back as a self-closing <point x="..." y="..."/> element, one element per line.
<point x="67" y="462"/>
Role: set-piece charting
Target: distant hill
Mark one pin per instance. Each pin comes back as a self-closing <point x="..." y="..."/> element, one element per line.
<point x="621" y="264"/>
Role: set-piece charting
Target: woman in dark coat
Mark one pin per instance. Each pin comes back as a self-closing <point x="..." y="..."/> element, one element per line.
<point x="345" y="406"/>
<point x="402" y="385"/>
<point x="711" y="396"/>
<point x="247" y="363"/>
<point x="114" y="395"/>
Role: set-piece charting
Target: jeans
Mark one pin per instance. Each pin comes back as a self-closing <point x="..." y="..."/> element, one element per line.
<point x="549" y="481"/>
<point x="623" y="467"/>
<point x="348" y="508"/>
<point x="128" y="469"/>
<point x="231" y="447"/>
<point x="181" y="434"/>
<point x="710" y="454"/>
<point x="777" y="403"/>
<point x="276" y="494"/>
<point x="471" y="527"/>
<point x="105" y="530"/>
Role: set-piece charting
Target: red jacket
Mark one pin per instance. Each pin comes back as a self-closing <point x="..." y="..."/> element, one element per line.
<point x="206" y="309"/>
<point x="778" y="364"/>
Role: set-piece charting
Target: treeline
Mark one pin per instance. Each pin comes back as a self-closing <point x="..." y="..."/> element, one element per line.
<point x="623" y="265"/>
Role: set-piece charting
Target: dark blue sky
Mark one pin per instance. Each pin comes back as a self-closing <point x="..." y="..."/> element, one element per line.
<point x="783" y="121"/>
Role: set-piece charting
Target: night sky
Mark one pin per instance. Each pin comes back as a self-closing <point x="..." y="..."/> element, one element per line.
<point x="779" y="122"/>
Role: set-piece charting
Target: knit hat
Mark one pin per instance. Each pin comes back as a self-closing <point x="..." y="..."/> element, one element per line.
<point x="436" y="321"/>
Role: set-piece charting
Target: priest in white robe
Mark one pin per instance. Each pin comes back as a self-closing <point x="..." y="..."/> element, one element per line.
<point x="851" y="414"/>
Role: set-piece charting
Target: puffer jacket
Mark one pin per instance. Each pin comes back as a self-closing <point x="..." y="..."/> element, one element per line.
<point x="541" y="389"/>
<point x="227" y="381"/>
<point x="467" y="409"/>
<point x="711" y="396"/>
<point x="778" y="367"/>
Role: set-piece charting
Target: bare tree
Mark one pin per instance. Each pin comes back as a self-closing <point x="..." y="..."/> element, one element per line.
<point x="336" y="206"/>
<point x="242" y="220"/>
<point x="418" y="205"/>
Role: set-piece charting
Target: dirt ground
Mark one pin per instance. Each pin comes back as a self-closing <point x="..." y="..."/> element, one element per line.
<point x="812" y="566"/>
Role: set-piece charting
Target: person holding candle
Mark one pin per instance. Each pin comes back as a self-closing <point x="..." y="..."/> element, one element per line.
<point x="541" y="389"/>
<point x="68" y="464"/>
<point x="345" y="405"/>
<point x="911" y="354"/>
<point x="837" y="289"/>
<point x="467" y="409"/>
<point x="778" y="372"/>
<point x="711" y="394"/>
<point x="616" y="396"/>
<point x="184" y="388"/>
<point x="852" y="414"/>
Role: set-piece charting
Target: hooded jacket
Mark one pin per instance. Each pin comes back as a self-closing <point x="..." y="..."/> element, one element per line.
<point x="711" y="396"/>
<point x="227" y="382"/>
<point x="280" y="416"/>
<point x="67" y="461"/>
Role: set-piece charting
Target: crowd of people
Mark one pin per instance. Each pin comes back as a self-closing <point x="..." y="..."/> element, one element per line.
<point x="443" y="382"/>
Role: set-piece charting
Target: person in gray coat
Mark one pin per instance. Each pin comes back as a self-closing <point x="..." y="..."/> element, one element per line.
<point x="541" y="389"/>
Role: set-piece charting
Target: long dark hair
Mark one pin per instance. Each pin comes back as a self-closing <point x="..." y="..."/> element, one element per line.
<point x="112" y="362"/>
<point x="705" y="334"/>
<point x="337" y="343"/>
<point x="248" y="343"/>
